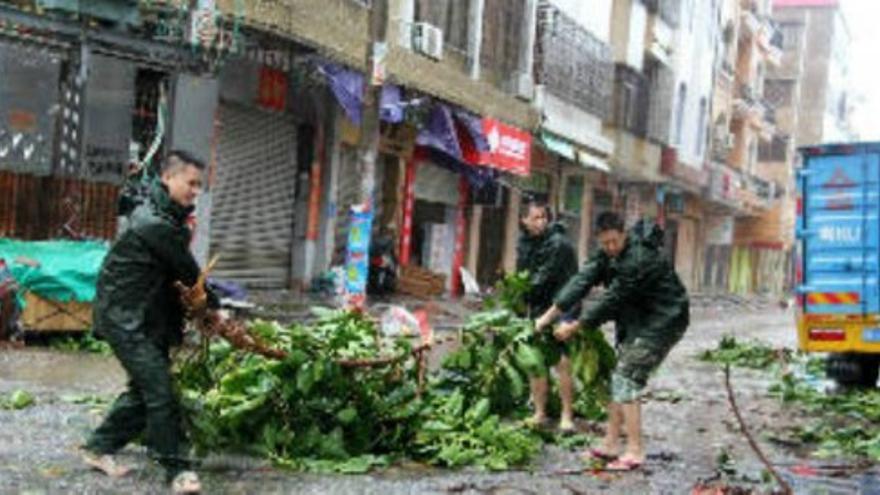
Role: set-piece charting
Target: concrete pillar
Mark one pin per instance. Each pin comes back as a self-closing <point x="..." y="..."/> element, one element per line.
<point x="473" y="253"/>
<point x="586" y="220"/>
<point x="475" y="37"/>
<point x="511" y="231"/>
<point x="529" y="32"/>
<point x="192" y="128"/>
<point x="405" y="16"/>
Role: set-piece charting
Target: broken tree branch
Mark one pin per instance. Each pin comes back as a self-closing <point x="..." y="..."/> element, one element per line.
<point x="752" y="443"/>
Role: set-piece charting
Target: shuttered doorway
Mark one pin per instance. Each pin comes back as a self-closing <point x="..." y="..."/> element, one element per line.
<point x="253" y="198"/>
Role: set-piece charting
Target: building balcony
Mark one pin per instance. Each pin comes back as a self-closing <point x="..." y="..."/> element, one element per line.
<point x="725" y="78"/>
<point x="750" y="24"/>
<point x="768" y="121"/>
<point x="770" y="42"/>
<point x="747" y="107"/>
<point x="724" y="187"/>
<point x="756" y="195"/>
<point x="572" y="64"/>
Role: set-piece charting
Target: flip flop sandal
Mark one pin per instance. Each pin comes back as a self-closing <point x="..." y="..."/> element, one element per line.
<point x="596" y="454"/>
<point x="623" y="465"/>
<point x="186" y="482"/>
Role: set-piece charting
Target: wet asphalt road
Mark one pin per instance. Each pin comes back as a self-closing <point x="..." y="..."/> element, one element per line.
<point x="687" y="421"/>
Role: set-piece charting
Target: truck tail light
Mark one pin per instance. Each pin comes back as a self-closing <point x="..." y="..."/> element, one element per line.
<point x="827" y="334"/>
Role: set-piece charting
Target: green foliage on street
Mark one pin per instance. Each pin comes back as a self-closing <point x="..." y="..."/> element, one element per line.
<point x="313" y="412"/>
<point x="839" y="425"/>
<point x="84" y="343"/>
<point x="17" y="399"/>
<point x="845" y="424"/>
<point x="753" y="354"/>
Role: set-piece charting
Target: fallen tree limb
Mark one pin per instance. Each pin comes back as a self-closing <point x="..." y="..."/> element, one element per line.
<point x="752" y="443"/>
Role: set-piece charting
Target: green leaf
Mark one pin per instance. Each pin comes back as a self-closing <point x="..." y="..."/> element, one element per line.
<point x="347" y="415"/>
<point x="516" y="382"/>
<point x="436" y="425"/>
<point x="530" y="360"/>
<point x="305" y="378"/>
<point x="21" y="399"/>
<point x="478" y="411"/>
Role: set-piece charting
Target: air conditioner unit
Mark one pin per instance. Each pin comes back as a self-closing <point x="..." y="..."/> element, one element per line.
<point x="427" y="39"/>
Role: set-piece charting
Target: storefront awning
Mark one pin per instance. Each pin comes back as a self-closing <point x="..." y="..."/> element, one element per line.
<point x="566" y="149"/>
<point x="347" y="86"/>
<point x="559" y="146"/>
<point x="590" y="160"/>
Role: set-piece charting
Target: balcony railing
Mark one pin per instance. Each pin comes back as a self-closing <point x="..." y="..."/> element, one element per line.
<point x="571" y="63"/>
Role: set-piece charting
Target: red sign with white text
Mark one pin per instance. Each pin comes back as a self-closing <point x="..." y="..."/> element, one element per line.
<point x="510" y="148"/>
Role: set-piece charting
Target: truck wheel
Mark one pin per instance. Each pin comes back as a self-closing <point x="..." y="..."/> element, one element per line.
<point x="849" y="370"/>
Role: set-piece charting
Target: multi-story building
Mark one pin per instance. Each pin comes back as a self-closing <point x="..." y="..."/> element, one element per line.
<point x="683" y="162"/>
<point x="740" y="190"/>
<point x="271" y="93"/>
<point x="663" y="89"/>
<point x="810" y="89"/>
<point x="574" y="72"/>
<point x="807" y="95"/>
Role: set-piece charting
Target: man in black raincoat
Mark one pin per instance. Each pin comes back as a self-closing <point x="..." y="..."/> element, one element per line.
<point x="546" y="253"/>
<point x="138" y="311"/>
<point x="650" y="308"/>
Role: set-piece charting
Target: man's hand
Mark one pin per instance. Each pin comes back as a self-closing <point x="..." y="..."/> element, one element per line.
<point x="566" y="330"/>
<point x="546" y="319"/>
<point x="194" y="299"/>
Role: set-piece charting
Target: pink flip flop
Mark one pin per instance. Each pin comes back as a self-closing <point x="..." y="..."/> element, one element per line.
<point x="622" y="464"/>
<point x="594" y="453"/>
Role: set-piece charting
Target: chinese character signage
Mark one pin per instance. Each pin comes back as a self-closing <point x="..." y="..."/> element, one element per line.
<point x="510" y="148"/>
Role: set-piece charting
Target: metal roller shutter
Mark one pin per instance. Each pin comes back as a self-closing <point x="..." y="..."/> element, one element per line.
<point x="253" y="202"/>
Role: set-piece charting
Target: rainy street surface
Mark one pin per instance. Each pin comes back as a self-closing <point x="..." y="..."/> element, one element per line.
<point x="687" y="420"/>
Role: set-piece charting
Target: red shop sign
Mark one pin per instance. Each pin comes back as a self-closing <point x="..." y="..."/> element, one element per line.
<point x="273" y="89"/>
<point x="510" y="148"/>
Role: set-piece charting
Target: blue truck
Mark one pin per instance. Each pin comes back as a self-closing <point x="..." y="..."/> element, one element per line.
<point x="838" y="258"/>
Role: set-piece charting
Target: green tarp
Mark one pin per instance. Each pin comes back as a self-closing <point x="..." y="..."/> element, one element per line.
<point x="66" y="270"/>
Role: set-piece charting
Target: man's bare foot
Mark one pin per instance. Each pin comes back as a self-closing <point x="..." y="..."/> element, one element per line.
<point x="104" y="463"/>
<point x="566" y="425"/>
<point x="536" y="421"/>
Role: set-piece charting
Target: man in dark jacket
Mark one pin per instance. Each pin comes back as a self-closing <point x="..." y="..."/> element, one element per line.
<point x="138" y="311"/>
<point x="650" y="308"/>
<point x="546" y="253"/>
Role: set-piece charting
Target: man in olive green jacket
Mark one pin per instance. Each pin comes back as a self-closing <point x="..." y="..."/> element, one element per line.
<point x="138" y="311"/>
<point x="650" y="308"/>
<point x="545" y="252"/>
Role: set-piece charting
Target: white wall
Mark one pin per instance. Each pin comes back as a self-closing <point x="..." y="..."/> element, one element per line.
<point x="635" y="47"/>
<point x="595" y="15"/>
<point x="694" y="59"/>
